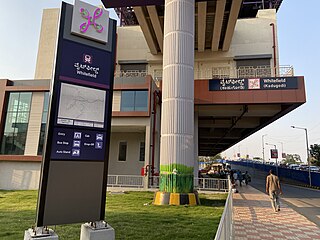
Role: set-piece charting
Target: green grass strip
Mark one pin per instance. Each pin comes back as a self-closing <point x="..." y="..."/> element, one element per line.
<point x="131" y="214"/>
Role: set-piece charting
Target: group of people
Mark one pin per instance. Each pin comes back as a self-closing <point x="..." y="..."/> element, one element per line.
<point x="237" y="177"/>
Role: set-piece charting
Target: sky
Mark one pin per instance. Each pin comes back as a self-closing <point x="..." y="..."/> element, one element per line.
<point x="299" y="46"/>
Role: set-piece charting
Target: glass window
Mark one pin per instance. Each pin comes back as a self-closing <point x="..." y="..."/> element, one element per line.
<point x="43" y="123"/>
<point x="16" y="123"/>
<point x="122" y="151"/>
<point x="141" y="101"/>
<point x="127" y="101"/>
<point x="134" y="101"/>
<point x="13" y="102"/>
<point x="142" y="151"/>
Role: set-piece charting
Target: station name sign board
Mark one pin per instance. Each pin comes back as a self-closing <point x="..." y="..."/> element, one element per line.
<point x="133" y="3"/>
<point x="267" y="83"/>
<point x="75" y="163"/>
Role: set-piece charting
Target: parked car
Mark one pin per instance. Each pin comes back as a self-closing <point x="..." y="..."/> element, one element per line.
<point x="314" y="169"/>
<point x="294" y="166"/>
<point x="303" y="167"/>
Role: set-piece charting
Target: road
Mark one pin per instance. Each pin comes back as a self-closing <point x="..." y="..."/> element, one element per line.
<point x="303" y="200"/>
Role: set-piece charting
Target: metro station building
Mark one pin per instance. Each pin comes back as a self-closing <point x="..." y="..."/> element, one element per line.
<point x="239" y="87"/>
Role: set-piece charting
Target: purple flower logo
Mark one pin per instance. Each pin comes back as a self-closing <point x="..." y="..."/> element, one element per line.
<point x="91" y="20"/>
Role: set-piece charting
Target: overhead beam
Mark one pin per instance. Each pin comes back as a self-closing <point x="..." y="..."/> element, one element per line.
<point x="245" y="122"/>
<point x="220" y="110"/>
<point x="156" y="25"/>
<point x="145" y="29"/>
<point x="233" y="16"/>
<point x="263" y="110"/>
<point x="202" y="15"/>
<point x="217" y="26"/>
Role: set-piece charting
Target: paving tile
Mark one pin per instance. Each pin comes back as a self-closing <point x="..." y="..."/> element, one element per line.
<point x="255" y="219"/>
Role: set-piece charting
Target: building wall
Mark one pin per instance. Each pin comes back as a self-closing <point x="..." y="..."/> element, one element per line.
<point x="251" y="37"/>
<point x="132" y="165"/>
<point x="47" y="44"/>
<point x="19" y="175"/>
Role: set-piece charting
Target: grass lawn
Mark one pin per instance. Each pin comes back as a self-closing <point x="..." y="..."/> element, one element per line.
<point x="131" y="214"/>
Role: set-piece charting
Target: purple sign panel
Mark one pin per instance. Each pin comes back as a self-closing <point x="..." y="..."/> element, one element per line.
<point x="85" y="65"/>
<point x="78" y="144"/>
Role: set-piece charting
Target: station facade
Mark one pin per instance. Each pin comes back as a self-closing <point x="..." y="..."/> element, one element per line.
<point x="239" y="88"/>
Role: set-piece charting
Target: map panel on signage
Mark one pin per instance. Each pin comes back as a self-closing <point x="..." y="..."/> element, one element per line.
<point x="81" y="106"/>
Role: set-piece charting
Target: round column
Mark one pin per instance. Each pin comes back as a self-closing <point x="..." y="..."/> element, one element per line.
<point x="177" y="118"/>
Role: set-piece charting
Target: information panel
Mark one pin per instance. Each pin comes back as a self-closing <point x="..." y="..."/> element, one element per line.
<point x="74" y="168"/>
<point x="76" y="144"/>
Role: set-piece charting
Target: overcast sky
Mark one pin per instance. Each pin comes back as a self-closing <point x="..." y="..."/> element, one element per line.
<point x="299" y="41"/>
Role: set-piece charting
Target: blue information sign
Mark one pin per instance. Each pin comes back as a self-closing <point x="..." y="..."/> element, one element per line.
<point x="85" y="65"/>
<point x="78" y="144"/>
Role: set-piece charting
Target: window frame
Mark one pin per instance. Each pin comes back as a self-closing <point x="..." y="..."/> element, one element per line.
<point x="119" y="151"/>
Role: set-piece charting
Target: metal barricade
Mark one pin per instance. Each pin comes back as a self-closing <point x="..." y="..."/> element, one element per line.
<point x="225" y="229"/>
<point x="213" y="184"/>
<point x="125" y="181"/>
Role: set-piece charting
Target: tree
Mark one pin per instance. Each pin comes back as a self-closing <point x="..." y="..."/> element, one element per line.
<point x="216" y="157"/>
<point x="292" y="159"/>
<point x="315" y="154"/>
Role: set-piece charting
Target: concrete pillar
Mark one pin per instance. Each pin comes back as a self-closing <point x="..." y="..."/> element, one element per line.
<point x="196" y="156"/>
<point x="177" y="119"/>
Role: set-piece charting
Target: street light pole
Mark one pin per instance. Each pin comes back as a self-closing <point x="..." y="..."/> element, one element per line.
<point x="308" y="152"/>
<point x="263" y="147"/>
<point x="281" y="149"/>
<point x="275" y="147"/>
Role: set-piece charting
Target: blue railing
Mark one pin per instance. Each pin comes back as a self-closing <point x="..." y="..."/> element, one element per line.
<point x="284" y="173"/>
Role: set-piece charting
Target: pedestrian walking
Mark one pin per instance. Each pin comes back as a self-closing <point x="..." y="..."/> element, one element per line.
<point x="246" y="177"/>
<point x="273" y="188"/>
<point x="240" y="178"/>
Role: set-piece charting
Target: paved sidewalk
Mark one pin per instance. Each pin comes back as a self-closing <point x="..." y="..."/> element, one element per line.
<point x="254" y="218"/>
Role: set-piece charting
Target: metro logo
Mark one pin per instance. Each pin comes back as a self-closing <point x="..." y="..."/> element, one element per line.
<point x="91" y="20"/>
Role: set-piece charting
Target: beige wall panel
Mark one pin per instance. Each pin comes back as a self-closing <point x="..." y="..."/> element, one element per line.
<point x="34" y="125"/>
<point x="132" y="45"/>
<point x="129" y="122"/>
<point x="47" y="44"/>
<point x="116" y="101"/>
<point x="19" y="175"/>
<point x="132" y="165"/>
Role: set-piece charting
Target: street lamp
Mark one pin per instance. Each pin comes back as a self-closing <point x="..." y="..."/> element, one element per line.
<point x="308" y="152"/>
<point x="263" y="147"/>
<point x="275" y="147"/>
